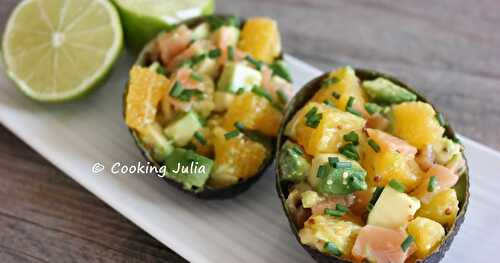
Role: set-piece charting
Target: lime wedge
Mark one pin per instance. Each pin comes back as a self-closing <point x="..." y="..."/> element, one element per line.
<point x="57" y="50"/>
<point x="144" y="19"/>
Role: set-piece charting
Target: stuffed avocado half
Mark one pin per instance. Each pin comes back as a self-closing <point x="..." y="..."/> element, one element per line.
<point x="367" y="170"/>
<point x="205" y="102"/>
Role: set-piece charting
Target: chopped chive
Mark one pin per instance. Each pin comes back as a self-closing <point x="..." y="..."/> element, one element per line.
<point x="282" y="96"/>
<point x="239" y="126"/>
<point x="161" y="70"/>
<point x="295" y="149"/>
<point x="333" y="161"/>
<point x="332" y="249"/>
<point x="313" y="118"/>
<point x="256" y="63"/>
<point x="372" y="108"/>
<point x="196" y="77"/>
<point x="328" y="102"/>
<point x="376" y="194"/>
<point x="214" y="53"/>
<point x="351" y="137"/>
<point x="432" y="184"/>
<point x="375" y="147"/>
<point x="231" y="134"/>
<point x="349" y="151"/>
<point x="350" y="102"/>
<point x="230" y="53"/>
<point x="333" y="212"/>
<point x="280" y="69"/>
<point x="187" y="94"/>
<point x="407" y="243"/>
<point x="370" y="207"/>
<point x="197" y="59"/>
<point x="322" y="170"/>
<point x="355" y="112"/>
<point x="336" y="95"/>
<point x="342" y="208"/>
<point x="233" y="21"/>
<point x="200" y="138"/>
<point x="240" y="91"/>
<point x="262" y="92"/>
<point x="343" y="165"/>
<point x="176" y="90"/>
<point x="397" y="186"/>
<point x="440" y="119"/>
<point x="329" y="81"/>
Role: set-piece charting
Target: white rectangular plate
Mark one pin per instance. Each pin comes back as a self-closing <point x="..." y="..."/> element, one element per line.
<point x="249" y="228"/>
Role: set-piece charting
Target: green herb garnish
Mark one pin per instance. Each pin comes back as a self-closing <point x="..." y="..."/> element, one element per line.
<point x="161" y="70"/>
<point x="351" y="137"/>
<point x="187" y="94"/>
<point x="349" y="151"/>
<point x="200" y="138"/>
<point x="333" y="212"/>
<point x="197" y="59"/>
<point x="332" y="249"/>
<point x="333" y="161"/>
<point x="375" y="147"/>
<point x="257" y="64"/>
<point x="279" y="69"/>
<point x="432" y="184"/>
<point x="342" y="208"/>
<point x="240" y="91"/>
<point x="230" y="53"/>
<point x="396" y="185"/>
<point x="231" y="134"/>
<point x="239" y="126"/>
<point x="372" y="108"/>
<point x="407" y="243"/>
<point x="196" y="77"/>
<point x="214" y="53"/>
<point x="296" y="150"/>
<point x="336" y="95"/>
<point x="349" y="107"/>
<point x="329" y="81"/>
<point x="329" y="103"/>
<point x="313" y="118"/>
<point x="176" y="90"/>
<point x="262" y="93"/>
<point x="376" y="194"/>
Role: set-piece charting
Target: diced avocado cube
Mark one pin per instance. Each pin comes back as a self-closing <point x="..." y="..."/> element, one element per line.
<point x="153" y="138"/>
<point x="188" y="168"/>
<point x="182" y="130"/>
<point x="295" y="167"/>
<point x="444" y="149"/>
<point x="342" y="178"/>
<point x="393" y="209"/>
<point x="384" y="91"/>
<point x="201" y="31"/>
<point x="237" y="76"/>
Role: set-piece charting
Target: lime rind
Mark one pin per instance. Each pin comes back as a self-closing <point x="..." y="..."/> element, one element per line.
<point x="89" y="83"/>
<point x="141" y="26"/>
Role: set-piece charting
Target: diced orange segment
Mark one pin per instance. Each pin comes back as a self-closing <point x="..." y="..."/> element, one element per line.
<point x="235" y="158"/>
<point x="146" y="88"/>
<point x="385" y="165"/>
<point x="260" y="37"/>
<point x="255" y="112"/>
<point x="344" y="84"/>
<point x="415" y="122"/>
<point x="327" y="137"/>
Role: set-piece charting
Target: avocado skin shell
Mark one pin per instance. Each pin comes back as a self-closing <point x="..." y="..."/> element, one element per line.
<point x="207" y="193"/>
<point x="299" y="100"/>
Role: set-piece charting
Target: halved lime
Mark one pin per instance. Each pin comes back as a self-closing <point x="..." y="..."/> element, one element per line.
<point x="56" y="50"/>
<point x="144" y="19"/>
